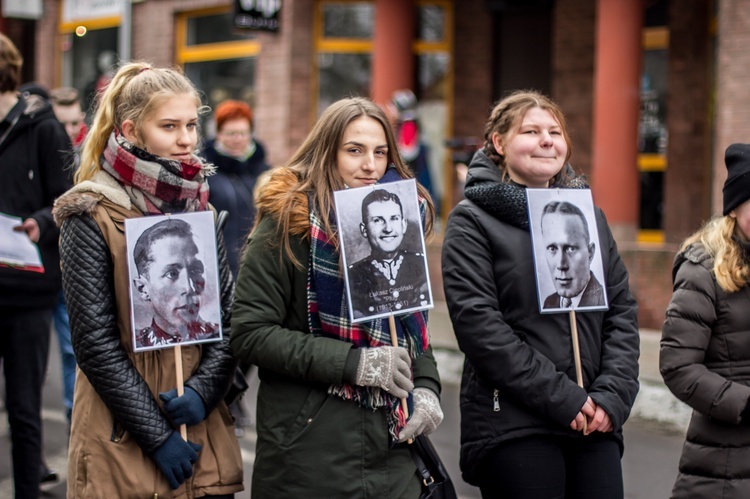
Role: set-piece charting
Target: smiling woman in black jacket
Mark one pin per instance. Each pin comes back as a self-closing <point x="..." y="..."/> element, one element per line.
<point x="522" y="412"/>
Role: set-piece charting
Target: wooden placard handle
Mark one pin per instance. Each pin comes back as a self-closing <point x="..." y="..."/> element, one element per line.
<point x="394" y="342"/>
<point x="180" y="382"/>
<point x="577" y="354"/>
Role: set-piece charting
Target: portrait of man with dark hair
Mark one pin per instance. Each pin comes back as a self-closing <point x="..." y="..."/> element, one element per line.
<point x="569" y="252"/>
<point x="392" y="278"/>
<point x="171" y="278"/>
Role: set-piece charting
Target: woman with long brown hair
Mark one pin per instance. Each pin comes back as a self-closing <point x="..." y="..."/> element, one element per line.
<point x="329" y="418"/>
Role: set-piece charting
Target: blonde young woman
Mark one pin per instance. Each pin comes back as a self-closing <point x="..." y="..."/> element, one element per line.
<point x="329" y="422"/>
<point x="138" y="160"/>
<point x="705" y="345"/>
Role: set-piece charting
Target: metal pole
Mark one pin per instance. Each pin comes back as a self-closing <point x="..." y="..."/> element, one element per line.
<point x="124" y="39"/>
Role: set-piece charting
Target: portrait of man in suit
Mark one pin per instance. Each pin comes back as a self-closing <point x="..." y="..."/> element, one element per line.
<point x="569" y="252"/>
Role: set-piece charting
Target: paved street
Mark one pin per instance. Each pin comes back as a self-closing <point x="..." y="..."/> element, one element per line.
<point x="650" y="461"/>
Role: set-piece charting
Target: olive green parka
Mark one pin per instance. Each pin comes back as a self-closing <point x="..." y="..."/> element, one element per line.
<point x="310" y="443"/>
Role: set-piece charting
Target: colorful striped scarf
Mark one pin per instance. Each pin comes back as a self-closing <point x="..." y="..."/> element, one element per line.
<point x="328" y="316"/>
<point x="157" y="185"/>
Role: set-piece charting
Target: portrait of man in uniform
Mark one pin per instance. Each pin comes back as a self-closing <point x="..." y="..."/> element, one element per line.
<point x="569" y="250"/>
<point x="170" y="279"/>
<point x="392" y="277"/>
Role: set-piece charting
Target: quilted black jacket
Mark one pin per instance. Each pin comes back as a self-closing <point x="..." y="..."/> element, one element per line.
<point x="89" y="291"/>
<point x="519" y="376"/>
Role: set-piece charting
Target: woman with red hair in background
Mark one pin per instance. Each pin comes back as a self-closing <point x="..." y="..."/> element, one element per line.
<point x="239" y="160"/>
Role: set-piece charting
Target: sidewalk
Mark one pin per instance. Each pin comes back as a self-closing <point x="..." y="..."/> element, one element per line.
<point x="654" y="401"/>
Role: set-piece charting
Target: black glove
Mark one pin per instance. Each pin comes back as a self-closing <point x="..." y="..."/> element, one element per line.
<point x="187" y="409"/>
<point x="175" y="458"/>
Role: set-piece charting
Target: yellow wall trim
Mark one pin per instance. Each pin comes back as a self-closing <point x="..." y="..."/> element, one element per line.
<point x="655" y="38"/>
<point x="217" y="51"/>
<point x="648" y="162"/>
<point x="101" y="23"/>
<point x="650" y="236"/>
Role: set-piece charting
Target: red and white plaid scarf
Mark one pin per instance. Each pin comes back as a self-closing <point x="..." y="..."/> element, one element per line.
<point x="157" y="185"/>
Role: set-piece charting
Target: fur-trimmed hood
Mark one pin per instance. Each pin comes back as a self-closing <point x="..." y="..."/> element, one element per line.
<point x="84" y="197"/>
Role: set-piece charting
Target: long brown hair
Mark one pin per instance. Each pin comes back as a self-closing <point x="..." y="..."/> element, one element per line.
<point x="312" y="173"/>
<point x="10" y="65"/>
<point x="506" y="118"/>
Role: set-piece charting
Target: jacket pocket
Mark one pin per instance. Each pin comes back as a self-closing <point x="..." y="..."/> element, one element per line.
<point x="307" y="414"/>
<point x="118" y="432"/>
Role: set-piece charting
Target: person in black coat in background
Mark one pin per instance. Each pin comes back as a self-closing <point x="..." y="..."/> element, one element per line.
<point x="239" y="161"/>
<point x="33" y="172"/>
<point x="528" y="431"/>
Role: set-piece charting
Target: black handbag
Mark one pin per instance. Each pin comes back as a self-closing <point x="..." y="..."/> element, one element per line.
<point x="436" y="483"/>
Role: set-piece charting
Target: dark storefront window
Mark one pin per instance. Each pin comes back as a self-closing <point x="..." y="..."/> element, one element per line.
<point x="431" y="23"/>
<point x="433" y="70"/>
<point x="343" y="75"/>
<point x="88" y="61"/>
<point x="344" y="40"/>
<point x="217" y="57"/>
<point x="652" y="134"/>
<point x="352" y="20"/>
<point x="224" y="79"/>
<point x="214" y="29"/>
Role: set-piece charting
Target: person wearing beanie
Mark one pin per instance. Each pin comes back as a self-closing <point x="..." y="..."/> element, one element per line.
<point x="737" y="186"/>
<point x="705" y="344"/>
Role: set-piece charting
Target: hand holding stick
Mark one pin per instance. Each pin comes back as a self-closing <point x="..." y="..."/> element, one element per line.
<point x="577" y="355"/>
<point x="394" y="342"/>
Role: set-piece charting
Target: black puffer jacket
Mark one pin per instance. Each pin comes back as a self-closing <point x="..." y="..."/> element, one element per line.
<point x="705" y="362"/>
<point x="34" y="170"/>
<point x="232" y="190"/>
<point x="519" y="375"/>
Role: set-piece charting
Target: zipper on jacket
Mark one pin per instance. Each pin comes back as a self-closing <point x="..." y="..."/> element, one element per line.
<point x="495" y="401"/>
<point x="117" y="433"/>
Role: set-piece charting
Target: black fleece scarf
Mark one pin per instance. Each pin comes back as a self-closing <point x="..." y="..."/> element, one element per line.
<point x="507" y="201"/>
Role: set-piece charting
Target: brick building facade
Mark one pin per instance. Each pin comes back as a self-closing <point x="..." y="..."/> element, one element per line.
<point x="492" y="47"/>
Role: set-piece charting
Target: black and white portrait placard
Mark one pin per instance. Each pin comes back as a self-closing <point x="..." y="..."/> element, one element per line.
<point x="567" y="253"/>
<point x="383" y="249"/>
<point x="174" y="280"/>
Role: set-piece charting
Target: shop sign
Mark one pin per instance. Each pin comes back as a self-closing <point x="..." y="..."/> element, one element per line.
<point x="77" y="10"/>
<point x="23" y="9"/>
<point x="257" y="14"/>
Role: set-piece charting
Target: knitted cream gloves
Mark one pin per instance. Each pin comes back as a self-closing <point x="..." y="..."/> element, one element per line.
<point x="427" y="415"/>
<point x="388" y="368"/>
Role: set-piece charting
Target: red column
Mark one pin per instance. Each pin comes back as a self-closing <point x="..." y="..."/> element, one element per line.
<point x="392" y="57"/>
<point x="614" y="171"/>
